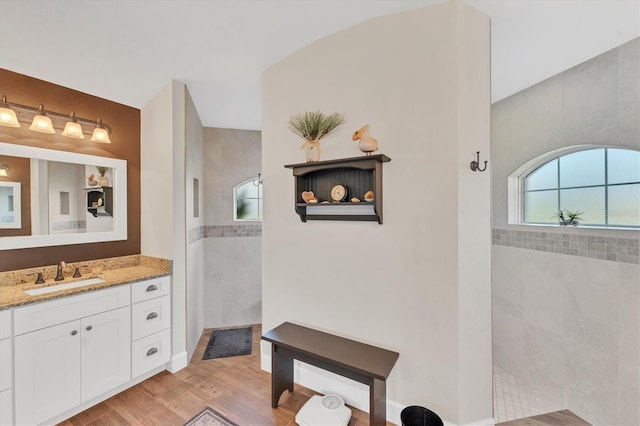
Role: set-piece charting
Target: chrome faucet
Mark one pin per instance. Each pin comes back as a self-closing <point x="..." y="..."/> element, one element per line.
<point x="59" y="274"/>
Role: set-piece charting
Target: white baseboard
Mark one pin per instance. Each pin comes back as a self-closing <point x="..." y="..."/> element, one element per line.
<point x="484" y="422"/>
<point x="178" y="362"/>
<point x="354" y="393"/>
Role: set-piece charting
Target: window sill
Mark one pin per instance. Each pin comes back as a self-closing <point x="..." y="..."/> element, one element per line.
<point x="580" y="229"/>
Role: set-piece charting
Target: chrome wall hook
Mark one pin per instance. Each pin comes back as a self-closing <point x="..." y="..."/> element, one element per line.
<point x="475" y="165"/>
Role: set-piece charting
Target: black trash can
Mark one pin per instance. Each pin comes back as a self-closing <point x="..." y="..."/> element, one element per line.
<point x="415" y="415"/>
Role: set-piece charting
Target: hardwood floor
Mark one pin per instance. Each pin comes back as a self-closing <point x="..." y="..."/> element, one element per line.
<point x="557" y="418"/>
<point x="235" y="386"/>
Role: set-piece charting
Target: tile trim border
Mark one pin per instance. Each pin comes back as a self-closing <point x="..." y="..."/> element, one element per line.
<point x="224" y="231"/>
<point x="624" y="250"/>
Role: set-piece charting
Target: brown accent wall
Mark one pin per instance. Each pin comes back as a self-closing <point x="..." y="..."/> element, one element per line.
<point x="19" y="172"/>
<point x="125" y="137"/>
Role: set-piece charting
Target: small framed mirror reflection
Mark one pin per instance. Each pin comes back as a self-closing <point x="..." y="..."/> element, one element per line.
<point x="10" y="202"/>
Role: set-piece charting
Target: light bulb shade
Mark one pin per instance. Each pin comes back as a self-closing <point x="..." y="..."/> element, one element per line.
<point x="100" y="134"/>
<point x="41" y="123"/>
<point x="7" y="115"/>
<point x="73" y="129"/>
<point x="4" y="170"/>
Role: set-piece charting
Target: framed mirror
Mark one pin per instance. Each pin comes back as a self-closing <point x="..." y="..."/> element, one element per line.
<point x="67" y="198"/>
<point x="10" y="202"/>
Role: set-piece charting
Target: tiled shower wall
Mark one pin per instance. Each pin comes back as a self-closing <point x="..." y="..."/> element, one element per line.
<point x="568" y="327"/>
<point x="232" y="250"/>
<point x="566" y="305"/>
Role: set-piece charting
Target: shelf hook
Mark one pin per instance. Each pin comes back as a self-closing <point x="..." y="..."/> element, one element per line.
<point x="475" y="165"/>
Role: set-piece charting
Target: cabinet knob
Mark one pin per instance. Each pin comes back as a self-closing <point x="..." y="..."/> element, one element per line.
<point x="152" y="315"/>
<point x="152" y="287"/>
<point x="89" y="328"/>
<point x="74" y="332"/>
<point x="152" y="351"/>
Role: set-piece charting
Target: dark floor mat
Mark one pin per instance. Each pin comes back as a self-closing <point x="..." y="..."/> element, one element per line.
<point x="231" y="342"/>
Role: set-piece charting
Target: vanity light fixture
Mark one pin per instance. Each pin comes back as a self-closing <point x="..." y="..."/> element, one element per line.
<point x="72" y="128"/>
<point x="4" y="170"/>
<point x="11" y="115"/>
<point x="100" y="134"/>
<point x="41" y="122"/>
<point x="7" y="114"/>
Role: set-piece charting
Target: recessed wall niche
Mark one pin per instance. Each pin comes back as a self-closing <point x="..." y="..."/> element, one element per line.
<point x="64" y="203"/>
<point x="196" y="197"/>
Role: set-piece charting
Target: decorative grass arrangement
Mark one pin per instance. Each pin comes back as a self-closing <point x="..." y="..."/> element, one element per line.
<point x="313" y="126"/>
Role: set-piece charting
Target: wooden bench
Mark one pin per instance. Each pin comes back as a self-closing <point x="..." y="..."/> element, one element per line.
<point x="358" y="361"/>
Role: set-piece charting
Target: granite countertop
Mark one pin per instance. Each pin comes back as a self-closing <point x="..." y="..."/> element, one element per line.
<point x="133" y="269"/>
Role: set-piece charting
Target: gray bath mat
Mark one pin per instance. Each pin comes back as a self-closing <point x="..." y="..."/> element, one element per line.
<point x="231" y="342"/>
<point x="210" y="417"/>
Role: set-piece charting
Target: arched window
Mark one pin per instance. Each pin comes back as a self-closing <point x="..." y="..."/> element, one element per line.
<point x="247" y="200"/>
<point x="603" y="184"/>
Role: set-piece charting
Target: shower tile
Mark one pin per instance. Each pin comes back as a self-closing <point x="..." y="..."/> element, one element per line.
<point x="513" y="399"/>
<point x="629" y="100"/>
<point x="591" y="339"/>
<point x="542" y="291"/>
<point x="508" y="341"/>
<point x="542" y="127"/>
<point x="507" y="282"/>
<point x="591" y="90"/>
<point x="629" y="370"/>
<point x="545" y="369"/>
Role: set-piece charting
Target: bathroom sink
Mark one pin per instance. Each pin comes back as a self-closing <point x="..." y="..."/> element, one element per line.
<point x="63" y="286"/>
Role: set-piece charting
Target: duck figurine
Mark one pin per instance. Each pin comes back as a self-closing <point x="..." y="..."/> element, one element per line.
<point x="367" y="144"/>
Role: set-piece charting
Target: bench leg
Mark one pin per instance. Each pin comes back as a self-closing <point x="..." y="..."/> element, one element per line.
<point x="281" y="374"/>
<point x="377" y="402"/>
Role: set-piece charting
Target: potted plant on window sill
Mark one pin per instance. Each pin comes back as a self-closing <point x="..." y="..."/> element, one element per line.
<point x="568" y="217"/>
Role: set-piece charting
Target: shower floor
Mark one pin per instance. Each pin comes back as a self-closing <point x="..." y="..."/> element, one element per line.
<point x="513" y="400"/>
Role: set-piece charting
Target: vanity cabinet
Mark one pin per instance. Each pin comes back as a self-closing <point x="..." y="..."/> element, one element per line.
<point x="69" y="351"/>
<point x="6" y="364"/>
<point x="150" y="325"/>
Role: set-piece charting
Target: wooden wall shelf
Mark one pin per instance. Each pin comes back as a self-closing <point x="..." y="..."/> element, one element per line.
<point x="358" y="174"/>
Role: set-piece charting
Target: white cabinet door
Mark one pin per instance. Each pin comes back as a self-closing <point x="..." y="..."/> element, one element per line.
<point x="47" y="372"/>
<point x="106" y="351"/>
<point x="5" y="364"/>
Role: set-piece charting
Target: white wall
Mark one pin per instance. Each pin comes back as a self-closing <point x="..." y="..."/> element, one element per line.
<point x="156" y="175"/>
<point x="162" y="175"/>
<point x="421" y="80"/>
<point x="195" y="246"/>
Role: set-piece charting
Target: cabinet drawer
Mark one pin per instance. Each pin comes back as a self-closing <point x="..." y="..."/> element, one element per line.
<point x="6" y="366"/>
<point x="150" y="352"/>
<point x="5" y="324"/>
<point x="150" y="317"/>
<point x="148" y="289"/>
<point x="46" y="314"/>
<point x="6" y="408"/>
